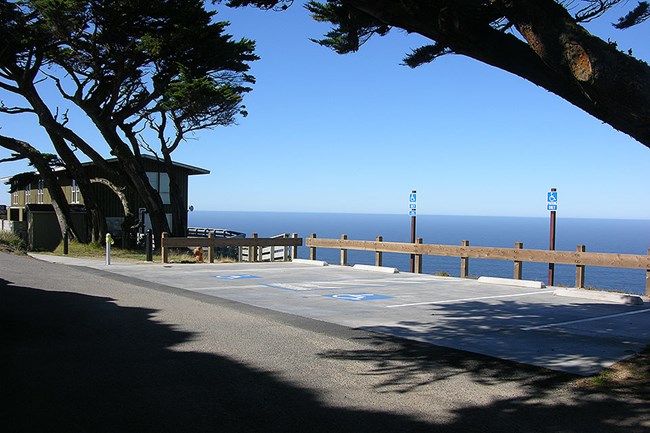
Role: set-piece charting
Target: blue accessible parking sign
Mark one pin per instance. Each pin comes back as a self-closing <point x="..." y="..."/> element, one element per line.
<point x="551" y="200"/>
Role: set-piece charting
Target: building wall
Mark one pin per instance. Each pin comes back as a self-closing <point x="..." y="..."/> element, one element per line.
<point x="43" y="232"/>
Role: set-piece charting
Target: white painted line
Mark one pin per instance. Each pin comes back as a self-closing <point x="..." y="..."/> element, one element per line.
<point x="451" y="301"/>
<point x="571" y="322"/>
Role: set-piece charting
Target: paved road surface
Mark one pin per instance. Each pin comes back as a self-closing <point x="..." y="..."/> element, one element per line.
<point x="88" y="351"/>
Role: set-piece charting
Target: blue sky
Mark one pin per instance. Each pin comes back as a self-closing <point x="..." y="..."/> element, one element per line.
<point x="356" y="133"/>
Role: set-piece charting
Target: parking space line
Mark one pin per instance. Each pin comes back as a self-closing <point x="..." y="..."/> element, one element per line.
<point x="591" y="319"/>
<point x="451" y="301"/>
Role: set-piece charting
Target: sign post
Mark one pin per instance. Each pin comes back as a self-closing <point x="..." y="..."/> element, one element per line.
<point x="413" y="214"/>
<point x="551" y="205"/>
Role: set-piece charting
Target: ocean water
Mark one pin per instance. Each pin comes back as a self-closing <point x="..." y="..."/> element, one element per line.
<point x="599" y="235"/>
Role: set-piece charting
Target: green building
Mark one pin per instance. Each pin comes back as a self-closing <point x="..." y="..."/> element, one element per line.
<point x="30" y="213"/>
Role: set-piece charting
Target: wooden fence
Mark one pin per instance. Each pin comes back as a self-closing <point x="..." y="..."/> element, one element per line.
<point x="579" y="258"/>
<point x="254" y="244"/>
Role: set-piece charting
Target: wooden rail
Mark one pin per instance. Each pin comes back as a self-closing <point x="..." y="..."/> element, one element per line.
<point x="579" y="258"/>
<point x="211" y="242"/>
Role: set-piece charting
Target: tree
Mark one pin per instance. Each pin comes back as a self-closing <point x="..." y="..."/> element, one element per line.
<point x="23" y="150"/>
<point x="124" y="63"/>
<point x="541" y="41"/>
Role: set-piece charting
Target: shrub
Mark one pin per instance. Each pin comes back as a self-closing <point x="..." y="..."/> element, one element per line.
<point x="11" y="242"/>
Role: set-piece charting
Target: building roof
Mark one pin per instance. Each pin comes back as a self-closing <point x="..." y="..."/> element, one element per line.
<point x="191" y="170"/>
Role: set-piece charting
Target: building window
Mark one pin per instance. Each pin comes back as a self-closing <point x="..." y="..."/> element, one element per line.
<point x="14" y="196"/>
<point x="75" y="196"/>
<point x="39" y="192"/>
<point x="28" y="194"/>
<point x="160" y="182"/>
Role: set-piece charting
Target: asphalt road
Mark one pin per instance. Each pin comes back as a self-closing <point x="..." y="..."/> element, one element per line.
<point x="88" y="351"/>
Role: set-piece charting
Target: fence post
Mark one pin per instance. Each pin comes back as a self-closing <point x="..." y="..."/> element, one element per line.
<point x="518" y="270"/>
<point x="163" y="248"/>
<point x="252" y="251"/>
<point x="418" y="258"/>
<point x="312" y="250"/>
<point x="580" y="269"/>
<point x="294" y="249"/>
<point x="464" y="262"/>
<point x="210" y="248"/>
<point x="378" y="254"/>
<point x="148" y="245"/>
<point x="285" y="250"/>
<point x="647" y="279"/>
<point x="344" y="252"/>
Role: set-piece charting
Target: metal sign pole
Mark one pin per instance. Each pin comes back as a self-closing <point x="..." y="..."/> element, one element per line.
<point x="412" y="213"/>
<point x="552" y="206"/>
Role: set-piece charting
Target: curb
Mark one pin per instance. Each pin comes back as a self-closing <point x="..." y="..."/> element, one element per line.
<point x="617" y="298"/>
<point x="310" y="262"/>
<point x="371" y="268"/>
<point x="512" y="282"/>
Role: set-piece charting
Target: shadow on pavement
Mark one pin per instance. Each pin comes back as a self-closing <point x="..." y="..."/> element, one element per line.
<point x="79" y="363"/>
<point x="550" y="401"/>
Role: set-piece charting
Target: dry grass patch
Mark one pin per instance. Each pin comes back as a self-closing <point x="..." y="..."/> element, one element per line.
<point x="631" y="376"/>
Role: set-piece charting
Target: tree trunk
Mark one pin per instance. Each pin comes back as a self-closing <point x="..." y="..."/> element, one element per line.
<point x="128" y="214"/>
<point x="133" y="168"/>
<point x="95" y="217"/>
<point x="560" y="55"/>
<point x="179" y="206"/>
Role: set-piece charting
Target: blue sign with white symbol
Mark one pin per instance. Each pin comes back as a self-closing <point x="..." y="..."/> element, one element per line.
<point x="551" y="200"/>
<point x="412" y="204"/>
<point x="356" y="297"/>
<point x="235" y="277"/>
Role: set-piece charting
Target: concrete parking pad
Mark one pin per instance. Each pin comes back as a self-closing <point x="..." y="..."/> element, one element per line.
<point x="518" y="323"/>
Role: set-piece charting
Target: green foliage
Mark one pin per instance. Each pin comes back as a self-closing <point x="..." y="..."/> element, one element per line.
<point x="351" y="28"/>
<point x="636" y="16"/>
<point x="21" y="180"/>
<point x="425" y="54"/>
<point x="10" y="242"/>
<point x="127" y="57"/>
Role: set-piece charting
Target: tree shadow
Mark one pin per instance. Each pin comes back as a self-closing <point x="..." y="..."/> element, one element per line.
<point x="79" y="363"/>
<point x="404" y="360"/>
<point x="517" y="331"/>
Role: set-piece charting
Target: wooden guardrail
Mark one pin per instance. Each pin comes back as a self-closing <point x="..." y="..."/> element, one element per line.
<point x="580" y="258"/>
<point x="212" y="242"/>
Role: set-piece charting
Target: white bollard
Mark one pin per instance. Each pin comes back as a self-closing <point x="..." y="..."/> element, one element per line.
<point x="109" y="242"/>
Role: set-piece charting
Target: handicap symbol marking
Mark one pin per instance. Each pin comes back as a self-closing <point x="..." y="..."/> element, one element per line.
<point x="356" y="297"/>
<point x="551" y="197"/>
<point x="413" y="197"/>
<point x="235" y="277"/>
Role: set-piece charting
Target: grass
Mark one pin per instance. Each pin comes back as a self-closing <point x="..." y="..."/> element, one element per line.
<point x="95" y="250"/>
<point x="11" y="243"/>
<point x="630" y="376"/>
